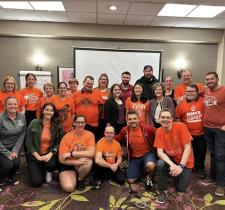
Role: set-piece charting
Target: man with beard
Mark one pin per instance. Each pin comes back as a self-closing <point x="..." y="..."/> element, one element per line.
<point x="214" y="122"/>
<point x="148" y="80"/>
<point x="125" y="86"/>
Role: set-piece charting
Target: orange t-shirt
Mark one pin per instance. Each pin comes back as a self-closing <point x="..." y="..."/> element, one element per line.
<point x="65" y="108"/>
<point x="137" y="144"/>
<point x="88" y="104"/>
<point x="110" y="150"/>
<point x="71" y="141"/>
<point x="41" y="103"/>
<point x="45" y="138"/>
<point x="191" y="114"/>
<point x="3" y="95"/>
<point x="173" y="142"/>
<point x="141" y="108"/>
<point x="180" y="90"/>
<point x="32" y="96"/>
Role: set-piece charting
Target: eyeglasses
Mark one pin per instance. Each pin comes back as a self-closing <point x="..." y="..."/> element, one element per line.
<point x="80" y="122"/>
<point x="7" y="83"/>
<point x="191" y="91"/>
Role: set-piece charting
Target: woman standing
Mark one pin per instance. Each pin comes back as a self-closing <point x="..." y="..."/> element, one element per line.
<point x="42" y="141"/>
<point x="32" y="96"/>
<point x="139" y="102"/>
<point x="158" y="103"/>
<point x="9" y="88"/>
<point x="115" y="109"/>
<point x="12" y="133"/>
<point x="64" y="104"/>
<point x="168" y="84"/>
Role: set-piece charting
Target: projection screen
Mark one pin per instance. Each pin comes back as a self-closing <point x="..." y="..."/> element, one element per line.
<point x="94" y="62"/>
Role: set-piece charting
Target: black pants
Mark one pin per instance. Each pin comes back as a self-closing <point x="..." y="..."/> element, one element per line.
<point x="102" y="173"/>
<point x="8" y="167"/>
<point x="37" y="169"/>
<point x="199" y="149"/>
<point x="94" y="130"/>
<point x="30" y="115"/>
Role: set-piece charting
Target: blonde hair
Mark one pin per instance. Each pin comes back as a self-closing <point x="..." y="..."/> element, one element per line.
<point x="49" y="84"/>
<point x="6" y="78"/>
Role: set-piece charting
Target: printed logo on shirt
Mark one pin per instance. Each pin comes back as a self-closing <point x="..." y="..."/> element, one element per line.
<point x="20" y="123"/>
<point x="31" y="98"/>
<point x="110" y="157"/>
<point x="86" y="102"/>
<point x="63" y="113"/>
<point x="194" y="116"/>
<point x="210" y="101"/>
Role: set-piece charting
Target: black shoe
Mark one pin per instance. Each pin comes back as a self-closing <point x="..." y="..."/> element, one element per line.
<point x="80" y="185"/>
<point x="96" y="184"/>
<point x="148" y="184"/>
<point x="161" y="198"/>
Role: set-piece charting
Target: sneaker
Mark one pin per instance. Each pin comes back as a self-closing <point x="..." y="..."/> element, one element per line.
<point x="219" y="190"/>
<point x="207" y="181"/>
<point x="161" y="198"/>
<point x="48" y="177"/>
<point x="96" y="184"/>
<point x="148" y="184"/>
<point x="201" y="174"/>
<point x="80" y="185"/>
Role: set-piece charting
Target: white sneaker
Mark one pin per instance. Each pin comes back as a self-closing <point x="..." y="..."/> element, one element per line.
<point x="48" y="177"/>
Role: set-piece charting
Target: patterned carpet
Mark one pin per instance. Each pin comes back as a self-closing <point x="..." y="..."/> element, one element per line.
<point x="110" y="196"/>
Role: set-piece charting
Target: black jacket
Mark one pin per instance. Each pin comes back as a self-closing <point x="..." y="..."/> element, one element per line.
<point x="147" y="83"/>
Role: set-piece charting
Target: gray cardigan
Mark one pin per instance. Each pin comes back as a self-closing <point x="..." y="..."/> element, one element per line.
<point x="12" y="133"/>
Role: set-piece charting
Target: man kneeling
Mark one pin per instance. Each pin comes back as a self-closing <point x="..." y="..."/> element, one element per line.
<point x="173" y="143"/>
<point x="108" y="158"/>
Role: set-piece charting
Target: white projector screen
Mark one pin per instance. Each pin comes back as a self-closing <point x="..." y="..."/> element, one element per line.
<point x="94" y="62"/>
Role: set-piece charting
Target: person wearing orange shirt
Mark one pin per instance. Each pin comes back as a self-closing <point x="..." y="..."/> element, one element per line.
<point x="179" y="91"/>
<point x="88" y="102"/>
<point x="108" y="157"/>
<point x="141" y="154"/>
<point x="139" y="102"/>
<point x="173" y="143"/>
<point x="190" y="111"/>
<point x="65" y="106"/>
<point x="73" y="84"/>
<point x="76" y="150"/>
<point x="42" y="141"/>
<point x="9" y="88"/>
<point x="32" y="95"/>
<point x="49" y="89"/>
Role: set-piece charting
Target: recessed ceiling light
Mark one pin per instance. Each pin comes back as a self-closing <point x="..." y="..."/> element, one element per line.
<point x="113" y="7"/>
<point x="15" y="5"/>
<point x="176" y="10"/>
<point x="203" y="11"/>
<point x="48" y="5"/>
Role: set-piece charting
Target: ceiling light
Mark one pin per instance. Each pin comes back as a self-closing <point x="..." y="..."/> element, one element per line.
<point x="48" y="5"/>
<point x="203" y="11"/>
<point x="176" y="10"/>
<point x="113" y="7"/>
<point x="15" y="5"/>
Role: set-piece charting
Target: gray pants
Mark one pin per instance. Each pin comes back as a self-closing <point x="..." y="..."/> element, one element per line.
<point x="181" y="181"/>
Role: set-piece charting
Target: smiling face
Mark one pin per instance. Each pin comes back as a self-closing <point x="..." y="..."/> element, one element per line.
<point x="166" y="119"/>
<point x="62" y="89"/>
<point x="80" y="123"/>
<point x="168" y="82"/>
<point x="186" y="77"/>
<point x="148" y="73"/>
<point x="158" y="92"/>
<point x="11" y="106"/>
<point x="48" y="112"/>
<point x="133" y="120"/>
<point x="191" y="94"/>
<point x="125" y="79"/>
<point x="9" y="85"/>
<point x="211" y="81"/>
<point x="109" y="133"/>
<point x="30" y="81"/>
<point x="88" y="84"/>
<point x="116" y="91"/>
<point x="73" y="86"/>
<point x="103" y="82"/>
<point x="49" y="90"/>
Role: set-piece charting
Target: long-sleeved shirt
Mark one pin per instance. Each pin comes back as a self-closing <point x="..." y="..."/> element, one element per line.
<point x="12" y="133"/>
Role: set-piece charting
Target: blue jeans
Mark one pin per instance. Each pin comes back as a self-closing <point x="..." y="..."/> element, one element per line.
<point x="181" y="181"/>
<point x="215" y="139"/>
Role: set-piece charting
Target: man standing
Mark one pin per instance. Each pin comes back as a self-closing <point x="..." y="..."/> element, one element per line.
<point x="190" y="111"/>
<point x="108" y="158"/>
<point x="125" y="86"/>
<point x="173" y="143"/>
<point x="179" y="91"/>
<point x="141" y="154"/>
<point x="88" y="102"/>
<point x="148" y="80"/>
<point x="214" y="122"/>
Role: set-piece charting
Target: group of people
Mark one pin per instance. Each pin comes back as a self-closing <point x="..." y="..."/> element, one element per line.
<point x="165" y="131"/>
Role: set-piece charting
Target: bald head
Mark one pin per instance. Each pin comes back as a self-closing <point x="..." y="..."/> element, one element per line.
<point x="109" y="133"/>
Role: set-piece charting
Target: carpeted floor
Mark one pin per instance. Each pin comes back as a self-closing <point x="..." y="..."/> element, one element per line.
<point x="109" y="197"/>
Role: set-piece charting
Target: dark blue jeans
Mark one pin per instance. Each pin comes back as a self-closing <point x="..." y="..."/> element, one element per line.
<point x="181" y="181"/>
<point x="215" y="139"/>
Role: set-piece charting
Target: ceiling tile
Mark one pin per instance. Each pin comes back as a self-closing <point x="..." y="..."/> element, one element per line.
<point x="113" y="19"/>
<point x="145" y="9"/>
<point x="80" y="6"/>
<point x="79" y="17"/>
<point x="103" y="7"/>
<point x="138" y="20"/>
<point x="54" y="16"/>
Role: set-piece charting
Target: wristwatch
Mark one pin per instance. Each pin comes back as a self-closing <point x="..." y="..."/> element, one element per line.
<point x="182" y="166"/>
